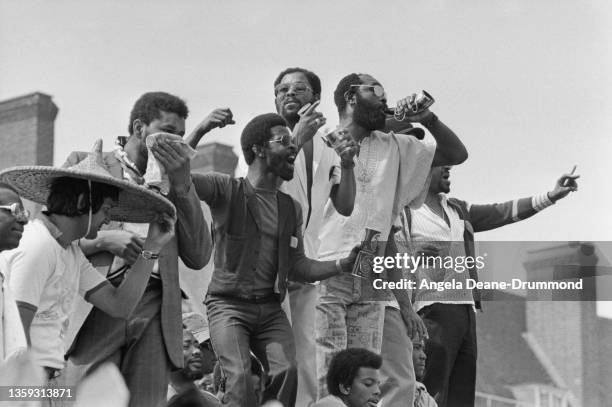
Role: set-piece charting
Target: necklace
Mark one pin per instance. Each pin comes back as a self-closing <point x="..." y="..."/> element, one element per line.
<point x="366" y="167"/>
<point x="129" y="167"/>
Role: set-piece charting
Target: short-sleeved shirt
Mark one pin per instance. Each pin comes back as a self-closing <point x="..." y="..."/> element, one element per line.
<point x="47" y="277"/>
<point x="12" y="338"/>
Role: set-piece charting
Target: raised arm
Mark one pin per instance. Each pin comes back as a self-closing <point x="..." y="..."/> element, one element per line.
<point x="343" y="194"/>
<point x="217" y="118"/>
<point x="450" y="150"/>
<point x="193" y="236"/>
<point x="491" y="216"/>
<point x="309" y="123"/>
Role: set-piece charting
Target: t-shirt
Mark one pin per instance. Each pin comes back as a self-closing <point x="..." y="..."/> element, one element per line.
<point x="12" y="337"/>
<point x="47" y="276"/>
<point x="267" y="260"/>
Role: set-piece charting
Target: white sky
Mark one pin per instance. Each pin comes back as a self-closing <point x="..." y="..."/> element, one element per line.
<point x="526" y="84"/>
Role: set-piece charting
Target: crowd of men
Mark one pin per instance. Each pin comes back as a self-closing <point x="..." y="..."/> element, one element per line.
<point x="292" y="315"/>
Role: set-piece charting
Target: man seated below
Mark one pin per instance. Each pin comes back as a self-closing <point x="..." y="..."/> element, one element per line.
<point x="421" y="397"/>
<point x="195" y="366"/>
<point x="353" y="379"/>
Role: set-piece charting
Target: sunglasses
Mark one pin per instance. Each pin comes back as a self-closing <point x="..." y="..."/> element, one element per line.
<point x="17" y="211"/>
<point x="286" y="140"/>
<point x="299" y="88"/>
<point x="377" y="89"/>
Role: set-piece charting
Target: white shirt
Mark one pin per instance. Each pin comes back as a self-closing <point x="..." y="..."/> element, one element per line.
<point x="12" y="337"/>
<point x="48" y="277"/>
<point x="427" y="226"/>
<point x="324" y="159"/>
<point x="392" y="171"/>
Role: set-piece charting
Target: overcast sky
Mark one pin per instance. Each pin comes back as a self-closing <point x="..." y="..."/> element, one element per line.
<point x="525" y="84"/>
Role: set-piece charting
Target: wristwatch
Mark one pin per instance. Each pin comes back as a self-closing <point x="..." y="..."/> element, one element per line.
<point x="149" y="255"/>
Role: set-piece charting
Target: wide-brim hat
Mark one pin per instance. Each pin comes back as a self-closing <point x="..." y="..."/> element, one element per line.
<point x="403" y="127"/>
<point x="136" y="203"/>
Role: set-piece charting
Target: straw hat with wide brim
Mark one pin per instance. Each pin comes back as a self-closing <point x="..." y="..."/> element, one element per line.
<point x="136" y="204"/>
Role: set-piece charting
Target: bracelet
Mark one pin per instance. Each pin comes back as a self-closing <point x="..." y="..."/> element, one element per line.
<point x="339" y="267"/>
<point x="149" y="255"/>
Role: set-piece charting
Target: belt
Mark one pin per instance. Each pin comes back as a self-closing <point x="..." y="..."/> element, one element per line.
<point x="251" y="299"/>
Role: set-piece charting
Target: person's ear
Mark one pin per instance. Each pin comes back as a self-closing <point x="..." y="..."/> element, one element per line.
<point x="349" y="97"/>
<point x="138" y="128"/>
<point x="344" y="389"/>
<point x="258" y="150"/>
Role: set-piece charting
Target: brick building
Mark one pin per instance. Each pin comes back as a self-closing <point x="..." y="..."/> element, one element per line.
<point x="26" y="130"/>
<point x="545" y="349"/>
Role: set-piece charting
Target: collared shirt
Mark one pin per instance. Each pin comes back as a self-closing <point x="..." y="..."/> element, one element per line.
<point x="428" y="227"/>
<point x="46" y="277"/>
<point x="130" y="174"/>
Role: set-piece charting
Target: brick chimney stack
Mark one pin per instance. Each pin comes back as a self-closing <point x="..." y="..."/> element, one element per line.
<point x="27" y="130"/>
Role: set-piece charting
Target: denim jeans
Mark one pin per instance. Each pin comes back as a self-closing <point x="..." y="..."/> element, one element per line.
<point x="238" y="327"/>
<point x="343" y="321"/>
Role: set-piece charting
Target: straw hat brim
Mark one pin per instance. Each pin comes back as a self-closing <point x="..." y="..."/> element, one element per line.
<point x="136" y="204"/>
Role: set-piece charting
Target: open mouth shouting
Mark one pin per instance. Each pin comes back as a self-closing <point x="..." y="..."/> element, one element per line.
<point x="291" y="161"/>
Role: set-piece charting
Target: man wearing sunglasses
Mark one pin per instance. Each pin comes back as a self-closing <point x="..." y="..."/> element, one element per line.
<point x="298" y="90"/>
<point x="391" y="171"/>
<point x="13" y="217"/>
<point x="259" y="247"/>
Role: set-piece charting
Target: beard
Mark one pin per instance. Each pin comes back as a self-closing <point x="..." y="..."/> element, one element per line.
<point x="278" y="166"/>
<point x="368" y="116"/>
